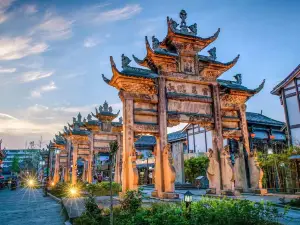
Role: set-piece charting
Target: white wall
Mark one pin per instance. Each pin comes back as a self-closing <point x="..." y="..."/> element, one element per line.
<point x="293" y="110"/>
<point x="295" y="136"/>
<point x="200" y="140"/>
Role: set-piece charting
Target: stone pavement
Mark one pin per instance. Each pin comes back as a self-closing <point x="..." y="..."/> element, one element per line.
<point x="29" y="207"/>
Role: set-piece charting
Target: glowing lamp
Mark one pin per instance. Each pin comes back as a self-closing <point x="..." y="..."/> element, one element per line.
<point x="272" y="137"/>
<point x="252" y="135"/>
<point x="30" y="183"/>
<point x="52" y="183"/>
<point x="73" y="192"/>
<point x="188" y="197"/>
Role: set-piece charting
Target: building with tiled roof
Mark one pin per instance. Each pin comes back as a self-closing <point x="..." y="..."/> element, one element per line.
<point x="288" y="91"/>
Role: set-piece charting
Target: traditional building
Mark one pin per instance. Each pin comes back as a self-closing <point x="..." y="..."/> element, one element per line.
<point x="288" y="91"/>
<point x="180" y="86"/>
<point x="264" y="133"/>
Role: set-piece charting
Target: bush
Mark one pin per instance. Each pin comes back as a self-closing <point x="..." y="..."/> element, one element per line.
<point x="59" y="190"/>
<point x="194" y="167"/>
<point x="132" y="201"/>
<point x="103" y="188"/>
<point x="206" y="211"/>
<point x="92" y="215"/>
<point x="295" y="202"/>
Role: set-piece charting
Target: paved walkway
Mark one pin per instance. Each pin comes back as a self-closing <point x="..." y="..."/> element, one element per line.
<point x="29" y="207"/>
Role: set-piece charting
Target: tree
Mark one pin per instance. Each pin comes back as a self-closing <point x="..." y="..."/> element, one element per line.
<point x="15" y="165"/>
<point x="194" y="167"/>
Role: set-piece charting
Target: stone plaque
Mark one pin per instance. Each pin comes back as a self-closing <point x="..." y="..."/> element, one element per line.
<point x="189" y="107"/>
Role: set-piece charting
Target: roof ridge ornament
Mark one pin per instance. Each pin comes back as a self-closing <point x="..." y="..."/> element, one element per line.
<point x="89" y="117"/>
<point x="238" y="78"/>
<point x="155" y="42"/>
<point x="212" y="53"/>
<point x="125" y="61"/>
<point x="184" y="29"/>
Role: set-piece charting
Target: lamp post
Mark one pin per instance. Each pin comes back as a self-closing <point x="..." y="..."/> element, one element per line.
<point x="188" y="198"/>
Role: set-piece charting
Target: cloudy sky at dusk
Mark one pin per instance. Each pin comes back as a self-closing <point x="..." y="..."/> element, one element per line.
<point x="52" y="53"/>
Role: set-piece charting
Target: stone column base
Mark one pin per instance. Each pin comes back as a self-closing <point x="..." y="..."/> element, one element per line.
<point x="230" y="192"/>
<point x="241" y="190"/>
<point x="211" y="191"/>
<point x="259" y="191"/>
<point x="165" y="195"/>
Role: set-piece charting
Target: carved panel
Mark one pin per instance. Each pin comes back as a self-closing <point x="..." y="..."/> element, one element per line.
<point x="188" y="88"/>
<point x="145" y="128"/>
<point x="145" y="105"/>
<point x="104" y="137"/>
<point x="230" y="124"/>
<point x="145" y="118"/>
<point x="232" y="101"/>
<point x="83" y="146"/>
<point x="83" y="152"/>
<point x="188" y="65"/>
<point x="189" y="107"/>
<point x="101" y="149"/>
<point x="139" y="88"/>
<point x="139" y="97"/>
<point x="101" y="144"/>
<point x="232" y="134"/>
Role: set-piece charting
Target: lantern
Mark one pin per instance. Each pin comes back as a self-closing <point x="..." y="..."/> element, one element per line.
<point x="253" y="135"/>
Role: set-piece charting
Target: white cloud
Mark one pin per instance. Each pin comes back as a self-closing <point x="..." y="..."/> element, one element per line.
<point x="4" y="116"/>
<point x="35" y="75"/>
<point x="29" y="9"/>
<point x="20" y="47"/>
<point x="91" y="42"/>
<point x="46" y="88"/>
<point x="124" y="13"/>
<point x="54" y="28"/>
<point x="7" y="70"/>
<point x="4" y="5"/>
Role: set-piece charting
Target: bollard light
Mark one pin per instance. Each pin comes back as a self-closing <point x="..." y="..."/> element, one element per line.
<point x="188" y="197"/>
<point x="73" y="192"/>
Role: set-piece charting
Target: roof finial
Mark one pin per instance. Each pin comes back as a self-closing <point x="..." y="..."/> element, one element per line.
<point x="89" y="117"/>
<point x="125" y="61"/>
<point x="155" y="42"/>
<point x="183" y="16"/>
<point x="238" y="78"/>
<point x="212" y="53"/>
<point x="105" y="106"/>
<point x="79" y="117"/>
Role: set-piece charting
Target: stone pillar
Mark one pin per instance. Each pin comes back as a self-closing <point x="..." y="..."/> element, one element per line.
<point x="50" y="178"/>
<point x="56" y="169"/>
<point x="66" y="173"/>
<point x="215" y="175"/>
<point x="240" y="170"/>
<point x="129" y="172"/>
<point x="164" y="171"/>
<point x="74" y="167"/>
<point x="177" y="152"/>
<point x="256" y="173"/>
<point x="90" y="168"/>
<point x="84" y="171"/>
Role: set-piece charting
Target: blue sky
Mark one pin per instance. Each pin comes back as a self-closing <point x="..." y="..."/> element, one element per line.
<point x="52" y="53"/>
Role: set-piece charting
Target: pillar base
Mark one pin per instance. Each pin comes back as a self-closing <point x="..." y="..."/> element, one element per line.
<point x="211" y="191"/>
<point x="241" y="190"/>
<point x="165" y="195"/>
<point x="230" y="192"/>
<point x="259" y="191"/>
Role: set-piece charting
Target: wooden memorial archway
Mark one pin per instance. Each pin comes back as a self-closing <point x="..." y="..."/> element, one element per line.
<point x="181" y="86"/>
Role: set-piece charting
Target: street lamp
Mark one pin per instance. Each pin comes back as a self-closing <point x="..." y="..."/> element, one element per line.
<point x="188" y="198"/>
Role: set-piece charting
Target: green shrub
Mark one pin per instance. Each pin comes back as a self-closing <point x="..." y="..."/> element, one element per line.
<point x="132" y="201"/>
<point x="295" y="202"/>
<point x="59" y="190"/>
<point x="92" y="215"/>
<point x="206" y="211"/>
<point x="103" y="188"/>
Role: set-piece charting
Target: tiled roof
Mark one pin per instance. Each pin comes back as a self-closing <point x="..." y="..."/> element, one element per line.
<point x="258" y="118"/>
<point x="138" y="72"/>
<point x="233" y="85"/>
<point x="295" y="72"/>
<point x="178" y="135"/>
<point x="150" y="140"/>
